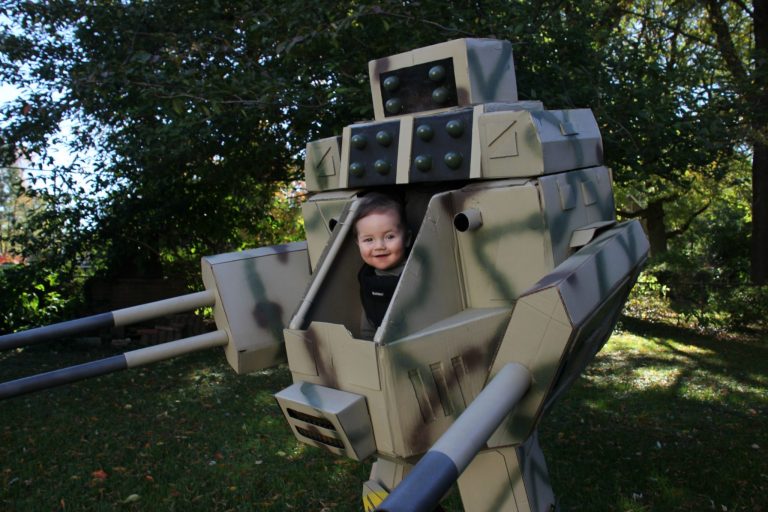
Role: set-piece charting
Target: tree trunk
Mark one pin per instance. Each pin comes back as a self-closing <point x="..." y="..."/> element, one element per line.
<point x="760" y="148"/>
<point x="760" y="214"/>
<point x="656" y="227"/>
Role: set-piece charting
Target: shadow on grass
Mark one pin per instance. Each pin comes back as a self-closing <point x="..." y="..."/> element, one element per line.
<point x="663" y="419"/>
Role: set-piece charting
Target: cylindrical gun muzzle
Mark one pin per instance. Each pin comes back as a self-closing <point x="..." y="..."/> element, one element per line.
<point x="468" y="220"/>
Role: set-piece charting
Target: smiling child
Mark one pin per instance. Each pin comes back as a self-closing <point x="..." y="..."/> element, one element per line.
<point x="382" y="238"/>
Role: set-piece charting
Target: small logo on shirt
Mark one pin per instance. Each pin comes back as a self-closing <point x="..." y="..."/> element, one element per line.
<point x="377" y="294"/>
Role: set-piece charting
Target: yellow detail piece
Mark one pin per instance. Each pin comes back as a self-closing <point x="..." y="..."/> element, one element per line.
<point x="373" y="499"/>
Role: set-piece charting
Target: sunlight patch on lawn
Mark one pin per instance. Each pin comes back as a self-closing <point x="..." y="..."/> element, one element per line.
<point x="651" y="377"/>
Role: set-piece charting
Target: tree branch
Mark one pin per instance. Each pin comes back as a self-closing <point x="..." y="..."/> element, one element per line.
<point x="682" y="229"/>
<point x="725" y="44"/>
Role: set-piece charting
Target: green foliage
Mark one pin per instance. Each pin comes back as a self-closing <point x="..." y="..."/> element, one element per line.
<point x="704" y="277"/>
<point x="191" y="120"/>
<point x="188" y="118"/>
<point x="648" y="299"/>
<point x="34" y="296"/>
<point x="185" y="115"/>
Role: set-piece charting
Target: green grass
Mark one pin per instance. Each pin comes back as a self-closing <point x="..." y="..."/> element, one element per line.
<point x="664" y="419"/>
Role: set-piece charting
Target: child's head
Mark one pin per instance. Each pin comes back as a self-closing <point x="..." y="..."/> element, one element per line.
<point x="380" y="231"/>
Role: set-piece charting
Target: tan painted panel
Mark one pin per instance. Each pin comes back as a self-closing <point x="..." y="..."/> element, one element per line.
<point x="549" y="304"/>
<point x="302" y="354"/>
<point x="318" y="355"/>
<point x="520" y="143"/>
<point x="328" y="418"/>
<point x="604" y="263"/>
<point x="510" y="145"/>
<point x="338" y="298"/>
<point x="493" y="482"/>
<point x="348" y="359"/>
<point x="567" y="209"/>
<point x="571" y="139"/>
<point x="318" y="212"/>
<point x="546" y="331"/>
<point x="537" y="341"/>
<point x="322" y="166"/>
<point x="431" y="376"/>
<point x="484" y="70"/>
<point x="257" y="291"/>
<point x="404" y="149"/>
<point x="510" y="252"/>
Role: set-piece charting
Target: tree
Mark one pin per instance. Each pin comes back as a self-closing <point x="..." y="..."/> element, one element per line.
<point x="189" y="121"/>
<point x="745" y="60"/>
<point x="721" y="47"/>
<point x="665" y="119"/>
<point x="187" y="116"/>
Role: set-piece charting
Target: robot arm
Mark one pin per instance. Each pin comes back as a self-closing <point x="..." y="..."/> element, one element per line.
<point x="252" y="293"/>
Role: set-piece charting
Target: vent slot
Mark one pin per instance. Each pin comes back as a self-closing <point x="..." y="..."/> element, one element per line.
<point x="313" y="420"/>
<point x="320" y="438"/>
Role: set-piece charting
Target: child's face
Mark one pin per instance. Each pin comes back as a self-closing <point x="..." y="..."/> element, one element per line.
<point x="381" y="239"/>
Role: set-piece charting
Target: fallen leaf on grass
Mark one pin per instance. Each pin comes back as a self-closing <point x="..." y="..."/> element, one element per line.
<point x="131" y="499"/>
<point x="99" y="474"/>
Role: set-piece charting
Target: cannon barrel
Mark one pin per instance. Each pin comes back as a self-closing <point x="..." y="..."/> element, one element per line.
<point x="117" y="318"/>
<point x="131" y="359"/>
<point x="441" y="466"/>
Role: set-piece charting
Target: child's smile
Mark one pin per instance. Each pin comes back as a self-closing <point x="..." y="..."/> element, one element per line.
<point x="381" y="239"/>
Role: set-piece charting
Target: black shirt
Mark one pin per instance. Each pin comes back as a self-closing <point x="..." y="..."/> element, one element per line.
<point x="376" y="292"/>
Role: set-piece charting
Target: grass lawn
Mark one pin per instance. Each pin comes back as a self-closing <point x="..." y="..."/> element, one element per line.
<point x="664" y="419"/>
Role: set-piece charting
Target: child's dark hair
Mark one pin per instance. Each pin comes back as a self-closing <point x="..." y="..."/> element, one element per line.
<point x="378" y="202"/>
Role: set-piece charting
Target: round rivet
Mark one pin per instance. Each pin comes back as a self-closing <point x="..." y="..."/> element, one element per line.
<point x="455" y="128"/>
<point x="384" y="138"/>
<point x="359" y="141"/>
<point x="425" y="132"/>
<point x="391" y="83"/>
<point x="382" y="166"/>
<point x="393" y="106"/>
<point x="437" y="73"/>
<point x="452" y="159"/>
<point x="356" y="169"/>
<point x="423" y="162"/>
<point x="440" y="95"/>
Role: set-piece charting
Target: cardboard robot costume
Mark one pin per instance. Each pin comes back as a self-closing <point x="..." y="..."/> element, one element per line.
<point x="517" y="258"/>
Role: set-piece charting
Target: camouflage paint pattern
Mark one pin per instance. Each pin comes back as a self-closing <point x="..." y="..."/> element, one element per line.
<point x="537" y="276"/>
<point x="255" y="292"/>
